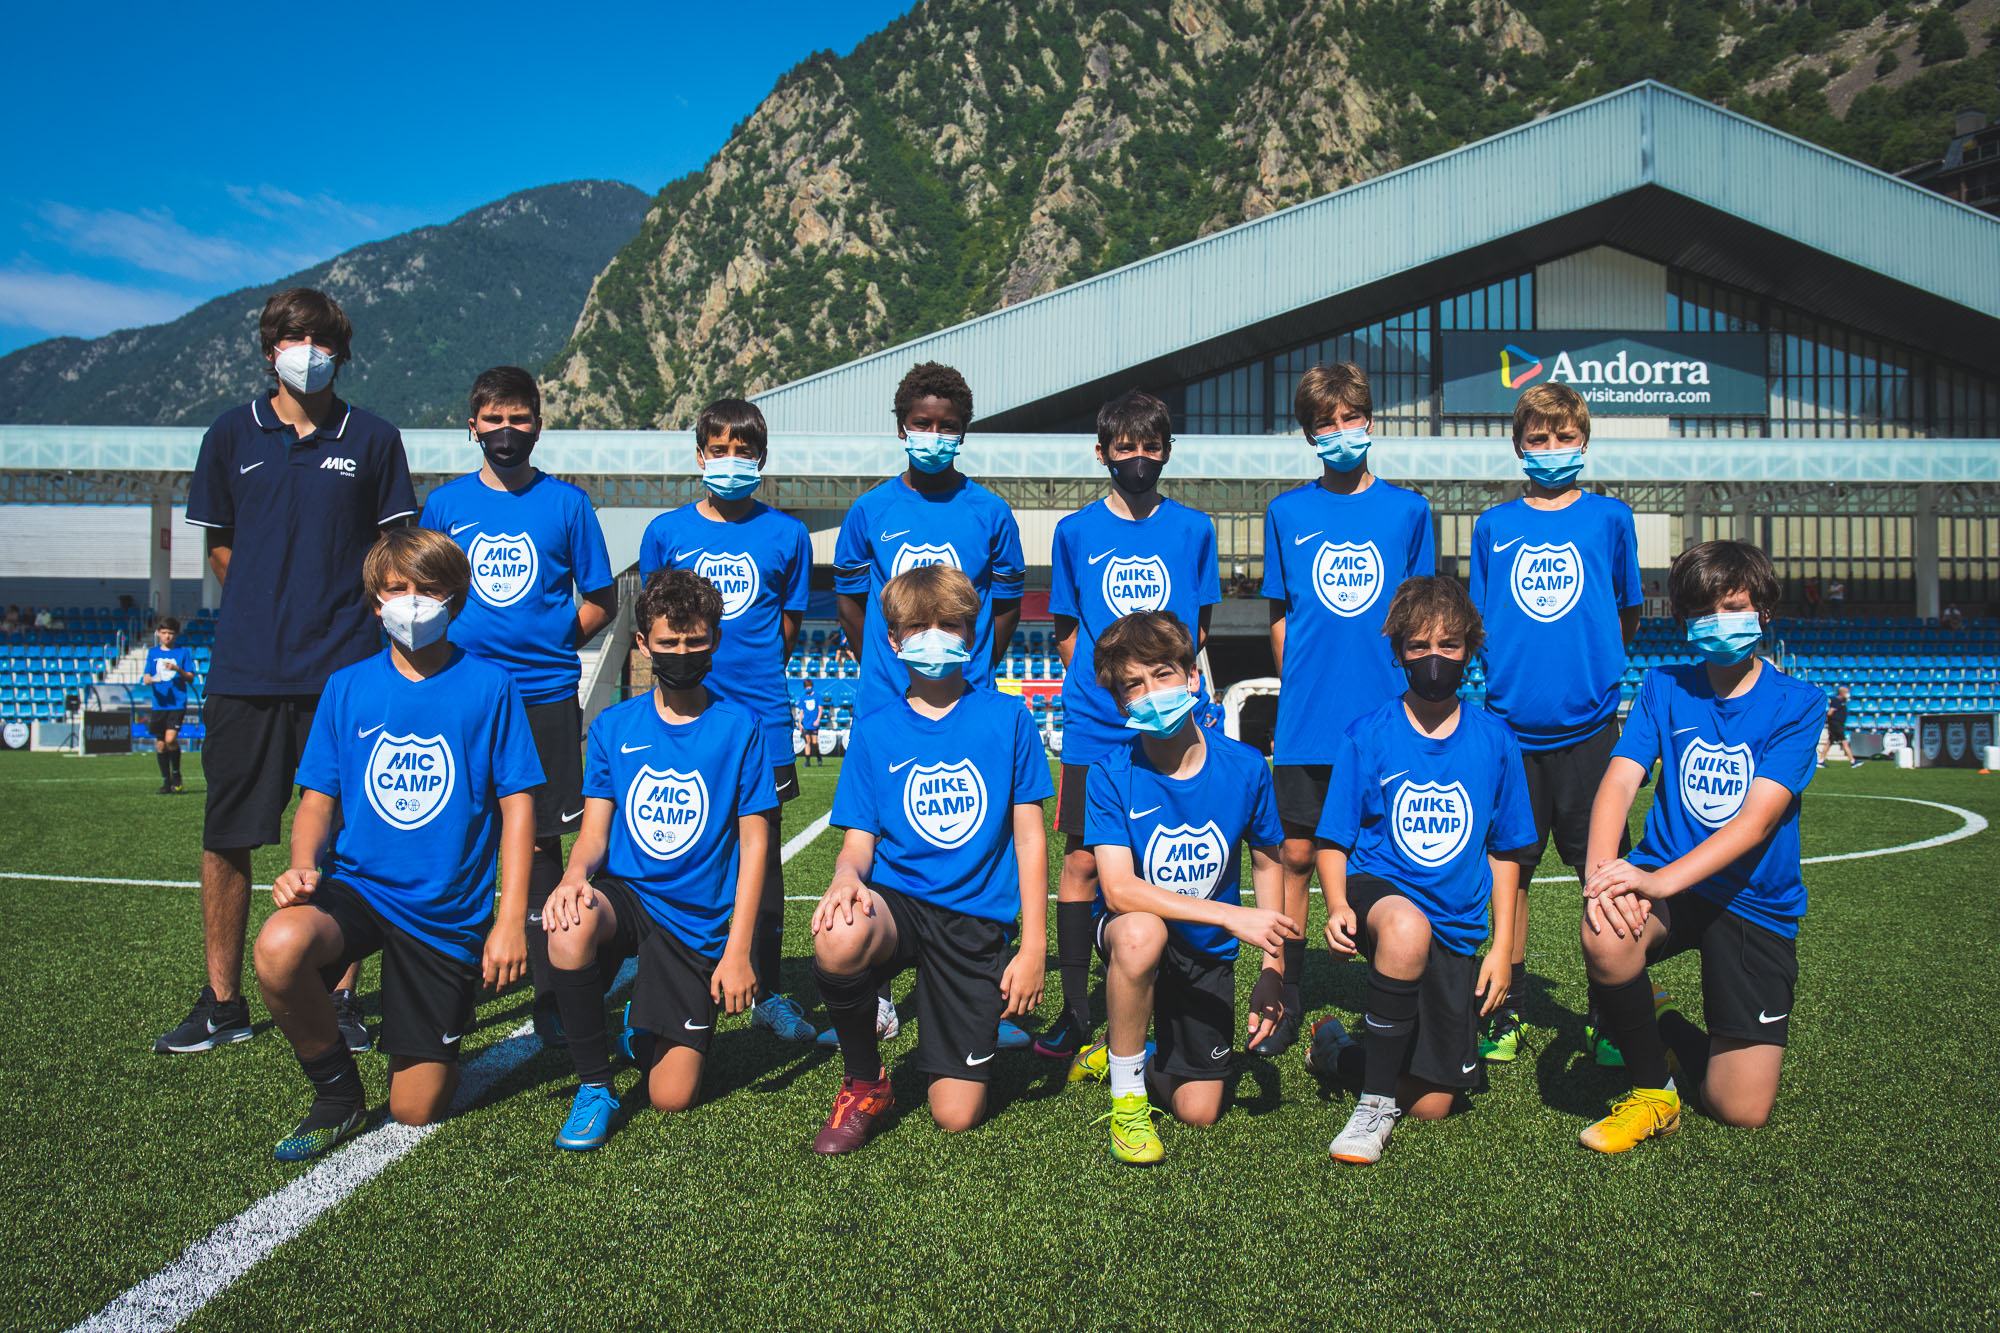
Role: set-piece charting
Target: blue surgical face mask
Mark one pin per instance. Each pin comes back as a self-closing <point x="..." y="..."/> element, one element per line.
<point x="1726" y="637"/>
<point x="934" y="653"/>
<point x="930" y="451"/>
<point x="1343" y="450"/>
<point x="1160" y="712"/>
<point x="731" y="478"/>
<point x="1553" y="468"/>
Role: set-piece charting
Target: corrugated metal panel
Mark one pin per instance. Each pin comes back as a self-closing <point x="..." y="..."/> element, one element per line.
<point x="1601" y="288"/>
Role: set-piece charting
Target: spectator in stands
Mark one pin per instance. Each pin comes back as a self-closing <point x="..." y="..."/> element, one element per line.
<point x="1836" y="597"/>
<point x="1836" y="729"/>
<point x="1953" y="618"/>
<point x="44" y="618"/>
<point x="1812" y="599"/>
<point x="12" y="624"/>
<point x="56" y="621"/>
<point x="293" y="612"/>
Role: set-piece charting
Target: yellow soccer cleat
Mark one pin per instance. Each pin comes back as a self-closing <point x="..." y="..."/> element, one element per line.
<point x="1093" y="1061"/>
<point x="1648" y="1113"/>
<point x="1133" y="1140"/>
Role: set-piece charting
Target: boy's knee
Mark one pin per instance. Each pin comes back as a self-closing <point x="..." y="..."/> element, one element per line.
<point x="281" y="948"/>
<point x="958" y="1119"/>
<point x="1296" y="855"/>
<point x="575" y="947"/>
<point x="1135" y="940"/>
<point x="1201" y="1114"/>
<point x="842" y="946"/>
<point x="417" y="1109"/>
<point x="669" y="1101"/>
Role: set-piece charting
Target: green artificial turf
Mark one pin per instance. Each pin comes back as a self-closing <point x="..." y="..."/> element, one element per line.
<point x="1868" y="1201"/>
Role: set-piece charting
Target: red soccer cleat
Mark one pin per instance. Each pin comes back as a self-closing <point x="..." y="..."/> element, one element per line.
<point x="854" y="1114"/>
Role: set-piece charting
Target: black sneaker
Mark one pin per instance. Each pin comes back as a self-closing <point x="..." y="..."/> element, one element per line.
<point x="1281" y="1039"/>
<point x="1065" y="1039"/>
<point x="164" y="789"/>
<point x="353" y="1028"/>
<point x="211" y="1023"/>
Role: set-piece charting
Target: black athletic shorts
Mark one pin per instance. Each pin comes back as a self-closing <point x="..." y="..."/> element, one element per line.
<point x="670" y="995"/>
<point x="165" y="720"/>
<point x="1562" y="786"/>
<point x="1301" y="792"/>
<point x="427" y="995"/>
<point x="960" y="960"/>
<point x="1836" y="732"/>
<point x="785" y="777"/>
<point x="1446" y="1051"/>
<point x="249" y="758"/>
<point x="1194" y="1008"/>
<point x="1748" y="973"/>
<point x="557" y="727"/>
<point x="1069" y="799"/>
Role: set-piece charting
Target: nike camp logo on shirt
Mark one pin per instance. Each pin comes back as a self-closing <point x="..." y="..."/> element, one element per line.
<point x="1498" y="547"/>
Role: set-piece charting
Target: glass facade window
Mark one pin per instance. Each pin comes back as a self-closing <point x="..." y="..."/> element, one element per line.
<point x="1968" y="562"/>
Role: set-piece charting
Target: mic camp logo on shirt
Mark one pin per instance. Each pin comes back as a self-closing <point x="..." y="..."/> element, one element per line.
<point x="1186" y="860"/>
<point x="503" y="567"/>
<point x="1431" y="822"/>
<point x="1548" y="580"/>
<point x="916" y="556"/>
<point x="1714" y="780"/>
<point x="1140" y="584"/>
<point x="666" y="810"/>
<point x="1347" y="577"/>
<point x="734" y="576"/>
<point x="410" y="778"/>
<point x="945" y="803"/>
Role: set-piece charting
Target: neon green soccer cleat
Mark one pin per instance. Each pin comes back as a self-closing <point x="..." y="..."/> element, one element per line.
<point x="1133" y="1139"/>
<point x="1501" y="1041"/>
<point x="1094" y="1061"/>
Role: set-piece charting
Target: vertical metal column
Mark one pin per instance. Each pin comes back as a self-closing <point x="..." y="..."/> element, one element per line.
<point x="160" y="541"/>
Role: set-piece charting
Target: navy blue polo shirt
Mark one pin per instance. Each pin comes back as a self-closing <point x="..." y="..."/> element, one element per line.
<point x="305" y="513"/>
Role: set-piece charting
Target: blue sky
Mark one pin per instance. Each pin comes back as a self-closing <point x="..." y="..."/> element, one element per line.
<point x="162" y="156"/>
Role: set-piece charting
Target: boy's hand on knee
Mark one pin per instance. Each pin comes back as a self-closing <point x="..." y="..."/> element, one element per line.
<point x="844" y="897"/>
<point x="1021" y="985"/>
<point x="566" y="904"/>
<point x="294" y="886"/>
<point x="506" y="957"/>
<point x="734" y="985"/>
<point x="1340" y="927"/>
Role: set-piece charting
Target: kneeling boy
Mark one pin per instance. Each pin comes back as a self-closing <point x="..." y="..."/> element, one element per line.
<point x="940" y="797"/>
<point x="1718" y="868"/>
<point x="676" y="786"/>
<point x="1166" y="817"/>
<point x="1425" y="801"/>
<point x="424" y="753"/>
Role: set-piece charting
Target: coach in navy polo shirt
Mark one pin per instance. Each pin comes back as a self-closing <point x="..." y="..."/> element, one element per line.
<point x="293" y="489"/>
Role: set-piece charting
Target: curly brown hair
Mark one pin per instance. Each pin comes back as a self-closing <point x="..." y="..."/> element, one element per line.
<point x="1433" y="601"/>
<point x="684" y="597"/>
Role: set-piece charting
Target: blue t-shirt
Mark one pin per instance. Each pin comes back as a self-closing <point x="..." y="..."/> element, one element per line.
<point x="1103" y="567"/>
<point x="809" y="708"/>
<point x="1710" y="749"/>
<point x="531" y="553"/>
<point x="1185" y="834"/>
<point x="1423" y="813"/>
<point x="939" y="796"/>
<point x="419" y="767"/>
<point x="760" y="564"/>
<point x="1549" y="585"/>
<point x="893" y="528"/>
<point x="679" y="789"/>
<point x="172" y="691"/>
<point x="304" y="513"/>
<point x="1335" y="561"/>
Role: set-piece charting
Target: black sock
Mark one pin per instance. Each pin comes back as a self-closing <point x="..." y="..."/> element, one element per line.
<point x="1073" y="959"/>
<point x="544" y="873"/>
<point x="1688" y="1043"/>
<point x="1295" y="969"/>
<point x="166" y="773"/>
<point x="337" y="1089"/>
<point x="580" y="1000"/>
<point x="1391" y="1028"/>
<point x="767" y="945"/>
<point x="1627" y="1012"/>
<point x="850" y="1002"/>
<point x="1517" y="986"/>
<point x="174" y="760"/>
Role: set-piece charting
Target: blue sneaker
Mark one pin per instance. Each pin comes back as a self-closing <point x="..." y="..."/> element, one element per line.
<point x="1012" y="1036"/>
<point x="783" y="1017"/>
<point x="887" y="1024"/>
<point x="589" y="1123"/>
<point x="625" y="1037"/>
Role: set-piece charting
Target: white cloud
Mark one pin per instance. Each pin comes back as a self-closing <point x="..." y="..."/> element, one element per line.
<point x="152" y="240"/>
<point x="65" y="303"/>
<point x="275" y="204"/>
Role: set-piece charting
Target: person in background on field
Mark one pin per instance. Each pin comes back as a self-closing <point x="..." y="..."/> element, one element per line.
<point x="1836" y="730"/>
<point x="809" y="718"/>
<point x="169" y="670"/>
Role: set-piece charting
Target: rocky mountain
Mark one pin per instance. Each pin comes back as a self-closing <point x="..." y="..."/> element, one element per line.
<point x="971" y="155"/>
<point x="431" y="309"/>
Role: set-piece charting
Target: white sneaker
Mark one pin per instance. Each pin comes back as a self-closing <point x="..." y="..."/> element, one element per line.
<point x="1367" y="1131"/>
<point x="886" y="1023"/>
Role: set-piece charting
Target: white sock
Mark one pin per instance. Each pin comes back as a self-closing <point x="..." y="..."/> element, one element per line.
<point x="1128" y="1074"/>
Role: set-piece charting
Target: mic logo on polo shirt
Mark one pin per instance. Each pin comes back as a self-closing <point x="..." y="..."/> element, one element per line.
<point x="1347" y="576"/>
<point x="913" y="555"/>
<point x="410" y="778"/>
<point x="344" y="466"/>
<point x="1139" y="584"/>
<point x="734" y="576"/>
<point x="1714" y="780"/>
<point x="945" y="803"/>
<point x="1431" y="822"/>
<point x="503" y="567"/>
<point x="1547" y="580"/>
<point x="1186" y="859"/>
<point x="666" y="810"/>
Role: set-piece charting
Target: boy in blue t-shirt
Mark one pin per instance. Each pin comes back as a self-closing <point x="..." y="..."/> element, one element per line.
<point x="1425" y="831"/>
<point x="759" y="560"/>
<point x="169" y="670"/>
<point x="535" y="548"/>
<point x="1555" y="576"/>
<point x="1134" y="550"/>
<point x="1168" y="814"/>
<point x="1334" y="548"/>
<point x="940" y="797"/>
<point x="422" y="755"/>
<point x="668" y="867"/>
<point x="1717" y="869"/>
<point x="809" y="715"/>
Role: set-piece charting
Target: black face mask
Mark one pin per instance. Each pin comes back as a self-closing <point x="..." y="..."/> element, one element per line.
<point x="1136" y="475"/>
<point x="682" y="671"/>
<point x="1434" y="677"/>
<point x="508" y="447"/>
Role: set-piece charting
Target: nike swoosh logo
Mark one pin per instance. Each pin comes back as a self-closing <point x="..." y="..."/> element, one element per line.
<point x="1678" y="732"/>
<point x="1218" y="1053"/>
<point x="1094" y="559"/>
<point x="451" y="1040"/>
<point x="891" y="536"/>
<point x="364" y="735"/>
<point x="1141" y="814"/>
<point x="573" y="814"/>
<point x="981" y="1060"/>
<point x="463" y="526"/>
<point x="1392" y="777"/>
<point x="897" y="768"/>
<point x="682" y="555"/>
<point x="251" y="467"/>
<point x="633" y="749"/>
<point x="1467" y="1069"/>
<point x="1301" y="541"/>
<point x="1763" y="1017"/>
<point x="693" y="1026"/>
<point x="1498" y="547"/>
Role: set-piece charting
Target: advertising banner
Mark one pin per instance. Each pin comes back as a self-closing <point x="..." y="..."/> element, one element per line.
<point x="1618" y="373"/>
<point x="107" y="733"/>
<point x="1953" y="740"/>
